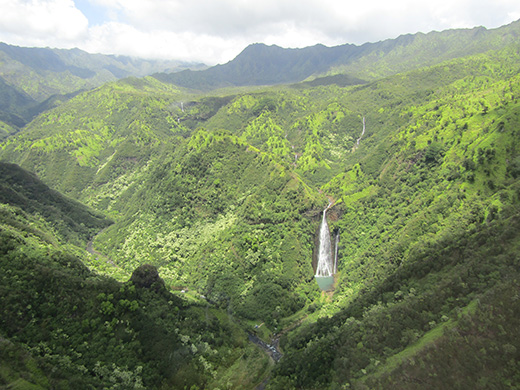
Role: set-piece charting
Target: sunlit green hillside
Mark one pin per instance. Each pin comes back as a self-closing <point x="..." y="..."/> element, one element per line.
<point x="429" y="250"/>
<point x="99" y="136"/>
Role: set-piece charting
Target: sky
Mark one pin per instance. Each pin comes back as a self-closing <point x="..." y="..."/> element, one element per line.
<point x="215" y="31"/>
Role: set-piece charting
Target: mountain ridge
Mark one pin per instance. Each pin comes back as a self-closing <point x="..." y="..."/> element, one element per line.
<point x="76" y="64"/>
<point x="261" y="64"/>
<point x="32" y="79"/>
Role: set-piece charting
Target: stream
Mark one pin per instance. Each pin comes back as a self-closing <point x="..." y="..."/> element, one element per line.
<point x="90" y="249"/>
<point x="271" y="349"/>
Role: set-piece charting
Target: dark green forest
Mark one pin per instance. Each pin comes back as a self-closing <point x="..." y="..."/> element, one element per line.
<point x="160" y="237"/>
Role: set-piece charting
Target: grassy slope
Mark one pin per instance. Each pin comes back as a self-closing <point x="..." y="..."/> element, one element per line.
<point x="101" y="136"/>
<point x="71" y="220"/>
<point x="175" y="200"/>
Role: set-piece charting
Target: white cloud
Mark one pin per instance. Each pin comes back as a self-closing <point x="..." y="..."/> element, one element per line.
<point x="41" y="22"/>
<point x="161" y="43"/>
<point x="216" y="30"/>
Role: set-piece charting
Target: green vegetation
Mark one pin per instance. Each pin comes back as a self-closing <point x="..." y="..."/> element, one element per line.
<point x="214" y="202"/>
<point x="63" y="326"/>
<point x="431" y="227"/>
<point x="33" y="80"/>
<point x="71" y="220"/>
<point x="41" y="73"/>
<point x="221" y="220"/>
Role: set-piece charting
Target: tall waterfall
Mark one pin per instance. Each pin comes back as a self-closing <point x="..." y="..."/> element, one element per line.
<point x="325" y="266"/>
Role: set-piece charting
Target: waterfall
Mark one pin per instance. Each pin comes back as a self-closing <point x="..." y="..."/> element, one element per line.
<point x="336" y="242"/>
<point x="362" y="133"/>
<point x="325" y="266"/>
<point x="356" y="145"/>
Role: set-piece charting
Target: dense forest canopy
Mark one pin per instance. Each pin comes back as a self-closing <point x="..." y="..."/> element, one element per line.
<point x="159" y="237"/>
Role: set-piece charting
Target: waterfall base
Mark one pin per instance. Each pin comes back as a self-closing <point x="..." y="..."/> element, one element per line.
<point x="325" y="283"/>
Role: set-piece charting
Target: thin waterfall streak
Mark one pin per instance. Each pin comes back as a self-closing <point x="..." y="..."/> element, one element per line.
<point x="362" y="133"/>
<point x="336" y="242"/>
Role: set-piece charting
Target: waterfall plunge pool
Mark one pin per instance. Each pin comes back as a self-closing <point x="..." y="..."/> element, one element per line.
<point x="325" y="283"/>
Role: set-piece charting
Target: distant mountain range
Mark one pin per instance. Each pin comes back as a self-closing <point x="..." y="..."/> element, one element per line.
<point x="260" y="64"/>
<point x="32" y="79"/>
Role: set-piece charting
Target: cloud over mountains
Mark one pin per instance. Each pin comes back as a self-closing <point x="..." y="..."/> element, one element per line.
<point x="216" y="31"/>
